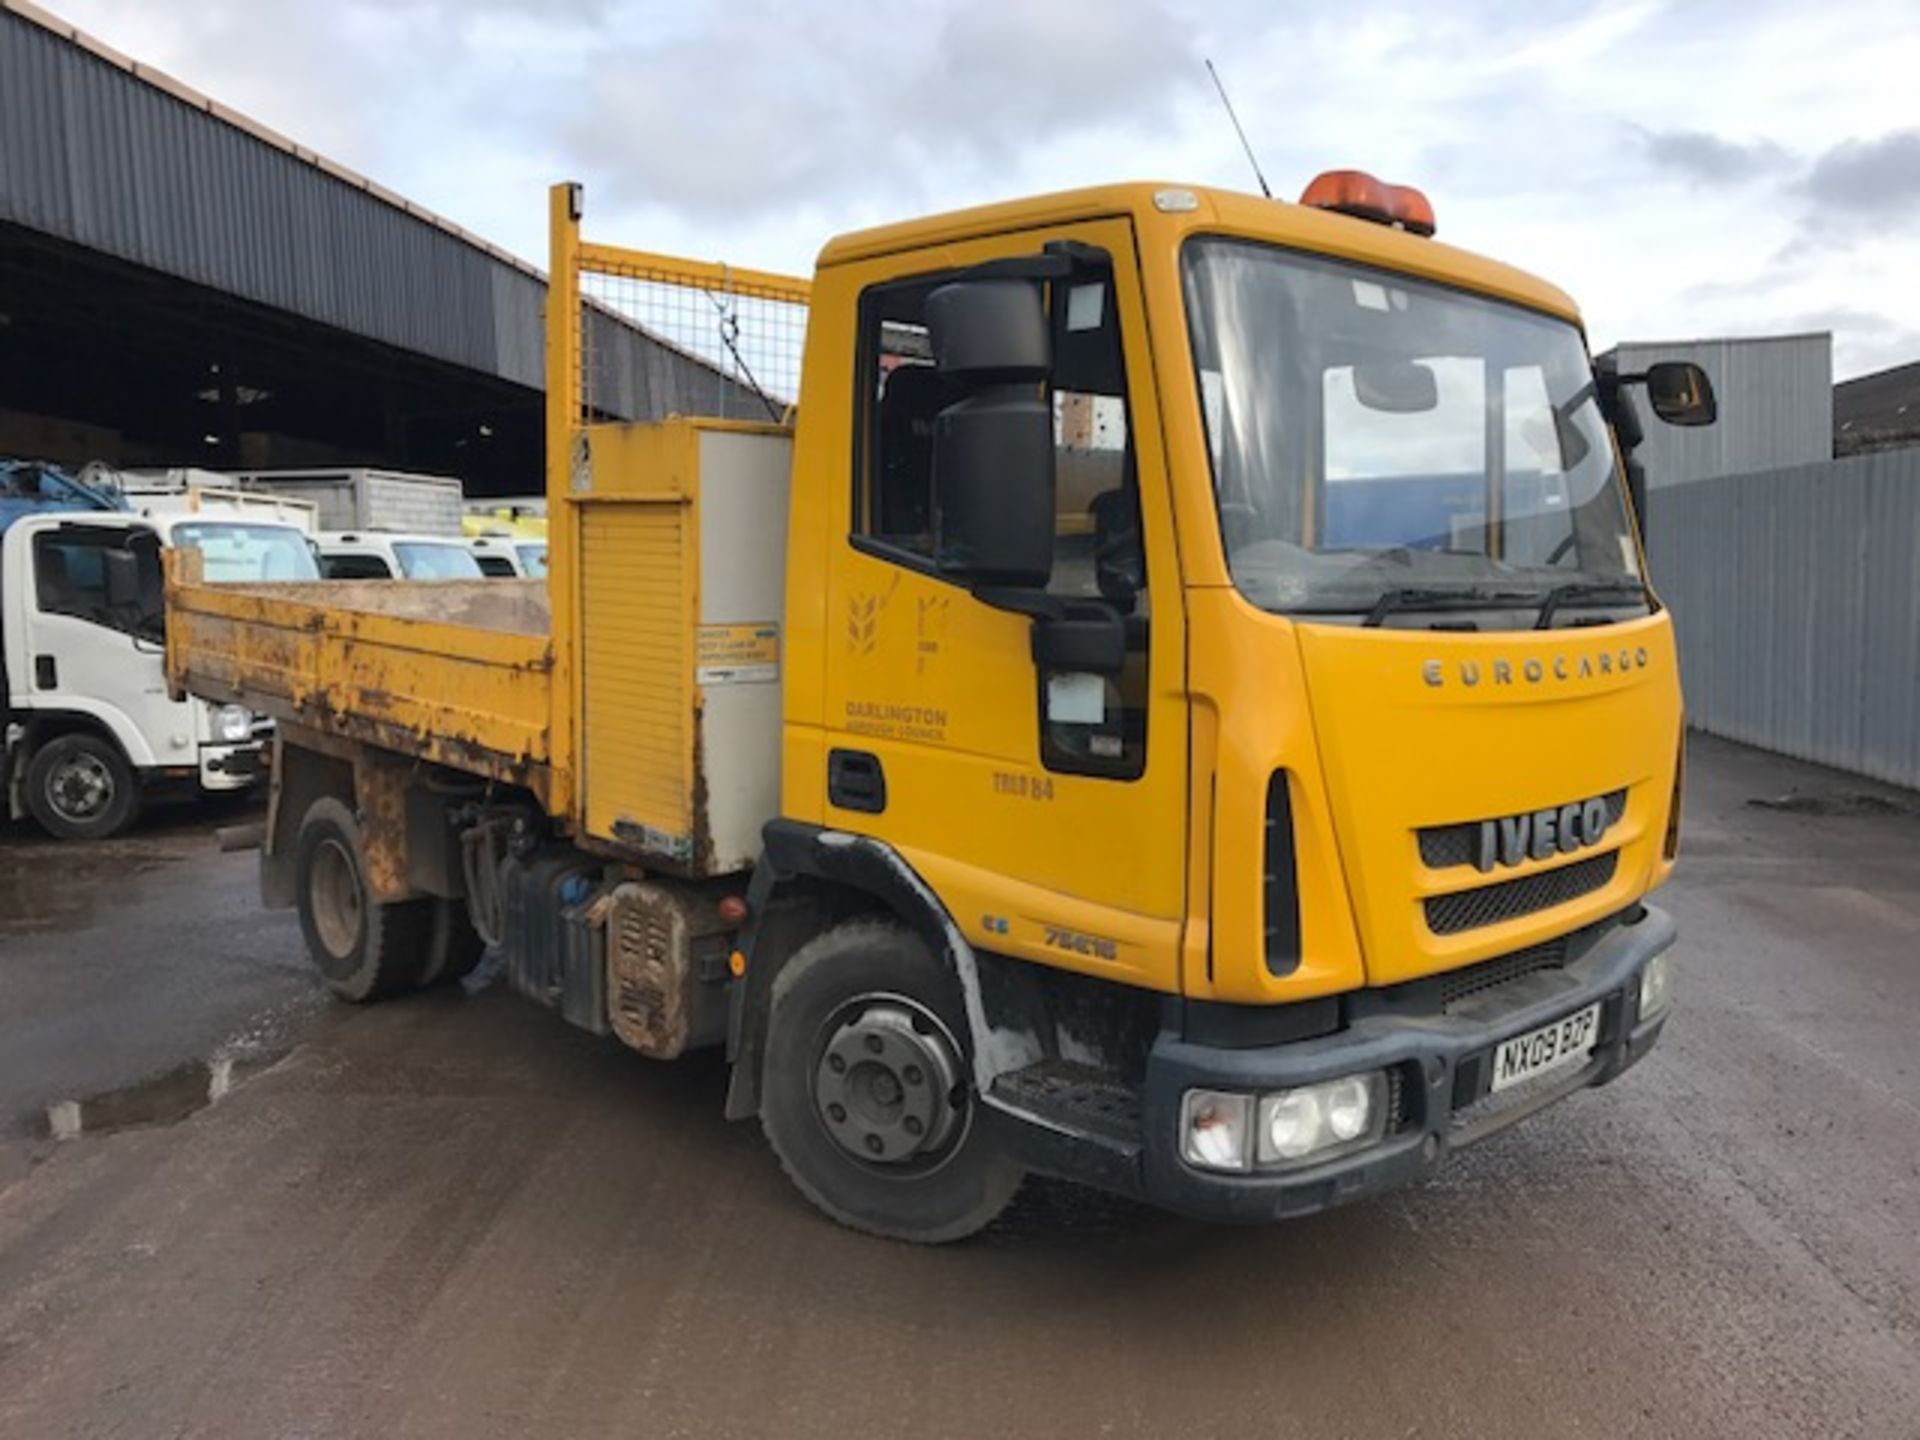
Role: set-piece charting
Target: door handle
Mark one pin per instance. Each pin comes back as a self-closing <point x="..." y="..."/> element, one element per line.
<point x="855" y="781"/>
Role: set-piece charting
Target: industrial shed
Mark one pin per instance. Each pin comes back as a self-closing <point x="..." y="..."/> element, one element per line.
<point x="1776" y="405"/>
<point x="1880" y="411"/>
<point x="180" y="285"/>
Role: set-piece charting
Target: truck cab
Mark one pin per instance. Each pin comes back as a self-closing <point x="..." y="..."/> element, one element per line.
<point x="89" y="727"/>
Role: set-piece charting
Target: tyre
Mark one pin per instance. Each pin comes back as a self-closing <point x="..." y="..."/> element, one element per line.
<point x="866" y="1093"/>
<point x="365" y="949"/>
<point x="456" y="946"/>
<point x="80" y="787"/>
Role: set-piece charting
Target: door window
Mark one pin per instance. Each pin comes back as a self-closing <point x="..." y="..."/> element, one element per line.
<point x="422" y="561"/>
<point x="355" y="567"/>
<point x="1089" y="723"/>
<point x="70" y="577"/>
<point x="1095" y="724"/>
<point x="899" y="395"/>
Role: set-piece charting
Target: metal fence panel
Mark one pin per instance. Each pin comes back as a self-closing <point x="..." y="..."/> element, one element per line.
<point x="1796" y="597"/>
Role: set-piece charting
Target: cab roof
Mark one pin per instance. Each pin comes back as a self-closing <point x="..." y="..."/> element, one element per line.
<point x="1215" y="212"/>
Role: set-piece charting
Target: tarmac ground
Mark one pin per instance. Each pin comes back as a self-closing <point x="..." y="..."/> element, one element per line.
<point x="230" y="1207"/>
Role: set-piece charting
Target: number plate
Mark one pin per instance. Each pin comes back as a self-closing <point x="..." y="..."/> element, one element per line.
<point x="1564" y="1042"/>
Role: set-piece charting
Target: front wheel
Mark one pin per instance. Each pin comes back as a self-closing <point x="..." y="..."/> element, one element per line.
<point x="80" y="787"/>
<point x="866" y="1096"/>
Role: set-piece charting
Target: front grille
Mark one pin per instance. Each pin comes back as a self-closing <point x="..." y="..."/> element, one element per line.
<point x="1444" y="846"/>
<point x="1458" y="986"/>
<point x="1510" y="899"/>
<point x="1396" y="1100"/>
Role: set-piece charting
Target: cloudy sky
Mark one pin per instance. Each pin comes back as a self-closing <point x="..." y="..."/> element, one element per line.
<point x="1684" y="168"/>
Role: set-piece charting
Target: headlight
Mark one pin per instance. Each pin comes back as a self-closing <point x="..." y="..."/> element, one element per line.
<point x="1317" y="1122"/>
<point x="1289" y="1128"/>
<point x="232" y="724"/>
<point x="1656" y="985"/>
<point x="1213" y="1129"/>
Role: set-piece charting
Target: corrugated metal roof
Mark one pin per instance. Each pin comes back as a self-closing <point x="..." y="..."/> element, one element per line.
<point x="1881" y="409"/>
<point x="102" y="151"/>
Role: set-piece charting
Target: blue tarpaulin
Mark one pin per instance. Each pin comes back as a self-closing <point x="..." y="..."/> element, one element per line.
<point x="31" y="487"/>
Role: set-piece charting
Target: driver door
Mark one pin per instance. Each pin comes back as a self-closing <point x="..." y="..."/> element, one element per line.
<point x="1047" y="811"/>
<point x="88" y="654"/>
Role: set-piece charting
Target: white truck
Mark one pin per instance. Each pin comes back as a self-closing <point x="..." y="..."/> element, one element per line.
<point x="506" y="557"/>
<point x="378" y="555"/>
<point x="87" y="728"/>
<point x="184" y="490"/>
<point x="359" y="498"/>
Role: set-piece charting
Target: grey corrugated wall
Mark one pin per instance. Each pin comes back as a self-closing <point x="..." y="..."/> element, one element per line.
<point x="95" y="154"/>
<point x="1776" y="406"/>
<point x="1796" y="597"/>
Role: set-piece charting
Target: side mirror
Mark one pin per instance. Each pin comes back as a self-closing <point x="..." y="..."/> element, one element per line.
<point x="1680" y="393"/>
<point x="989" y="332"/>
<point x="993" y="480"/>
<point x="122" y="579"/>
<point x="993" y="489"/>
<point x="135" y="589"/>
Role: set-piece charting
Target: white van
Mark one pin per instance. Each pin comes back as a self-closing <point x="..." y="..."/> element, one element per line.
<point x="87" y="728"/>
<point x="375" y="555"/>
<point x="502" y="557"/>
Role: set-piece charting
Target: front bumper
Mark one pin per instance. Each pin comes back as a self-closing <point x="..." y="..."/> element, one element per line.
<point x="232" y="767"/>
<point x="1439" y="1061"/>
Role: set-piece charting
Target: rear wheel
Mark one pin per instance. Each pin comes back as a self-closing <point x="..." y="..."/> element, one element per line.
<point x="866" y="1094"/>
<point x="457" y="946"/>
<point x="80" y="787"/>
<point x="365" y="949"/>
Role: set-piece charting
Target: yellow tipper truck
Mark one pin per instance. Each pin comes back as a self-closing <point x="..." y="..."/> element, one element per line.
<point x="1165" y="694"/>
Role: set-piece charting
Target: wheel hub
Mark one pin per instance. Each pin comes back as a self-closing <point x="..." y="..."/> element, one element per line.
<point x="336" y="898"/>
<point x="887" y="1086"/>
<point x="80" y="788"/>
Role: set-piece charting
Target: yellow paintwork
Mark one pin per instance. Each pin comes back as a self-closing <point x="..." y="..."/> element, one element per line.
<point x="367" y="660"/>
<point x="702" y="274"/>
<point x="504" y="520"/>
<point x="1169" y="866"/>
<point x="640" y="596"/>
<point x="1154" y="881"/>
<point x="942" y="687"/>
<point x="563" y="424"/>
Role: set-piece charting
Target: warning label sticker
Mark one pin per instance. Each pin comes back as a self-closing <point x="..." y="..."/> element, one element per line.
<point x="737" y="654"/>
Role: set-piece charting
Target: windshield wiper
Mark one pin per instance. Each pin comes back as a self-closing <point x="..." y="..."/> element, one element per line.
<point x="1579" y="590"/>
<point x="1435" y="599"/>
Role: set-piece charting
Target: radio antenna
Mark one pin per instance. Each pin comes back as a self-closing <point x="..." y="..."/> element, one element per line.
<point x="1244" y="145"/>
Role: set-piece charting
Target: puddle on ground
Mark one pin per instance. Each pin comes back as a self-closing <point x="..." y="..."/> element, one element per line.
<point x="164" y="1099"/>
<point x="1843" y="804"/>
<point x="57" y="887"/>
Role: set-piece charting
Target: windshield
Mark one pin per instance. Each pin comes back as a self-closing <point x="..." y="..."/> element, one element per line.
<point x="425" y="560"/>
<point x="236" y="553"/>
<point x="1372" y="433"/>
<point x="533" y="558"/>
